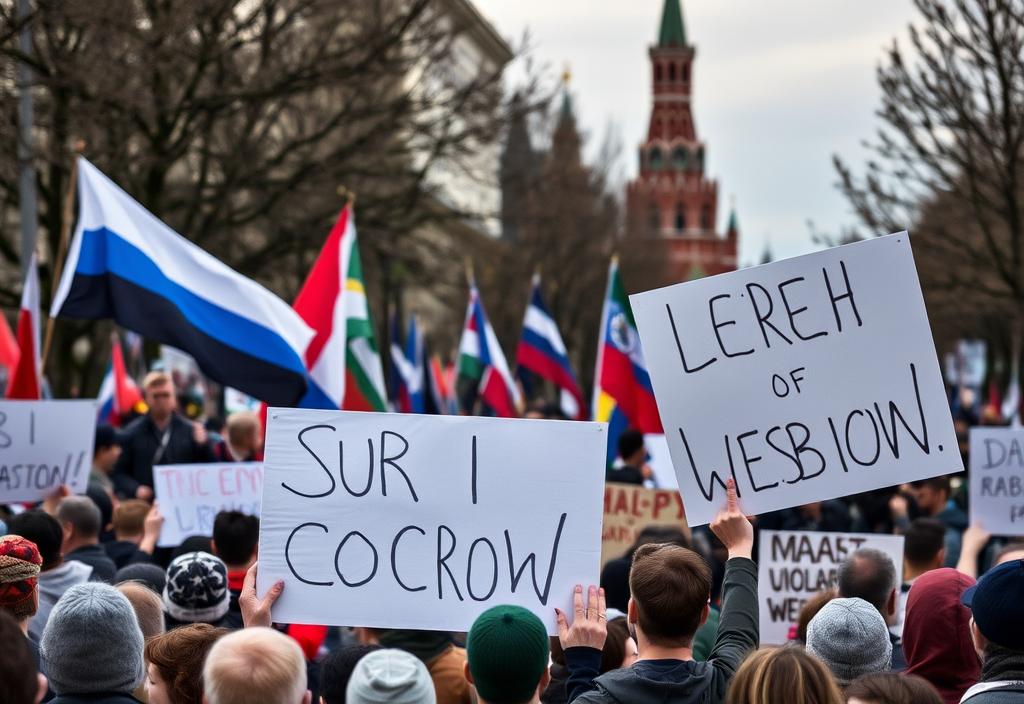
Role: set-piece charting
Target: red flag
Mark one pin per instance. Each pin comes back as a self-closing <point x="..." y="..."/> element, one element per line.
<point x="24" y="383"/>
<point x="126" y="392"/>
<point x="8" y="347"/>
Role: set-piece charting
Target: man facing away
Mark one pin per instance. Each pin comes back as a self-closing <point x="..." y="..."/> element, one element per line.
<point x="80" y="520"/>
<point x="162" y="436"/>
<point x="255" y="665"/>
<point x="870" y="575"/>
<point x="670" y="593"/>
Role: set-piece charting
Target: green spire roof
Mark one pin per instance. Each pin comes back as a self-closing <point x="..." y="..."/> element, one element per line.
<point x="733" y="222"/>
<point x="672" y="32"/>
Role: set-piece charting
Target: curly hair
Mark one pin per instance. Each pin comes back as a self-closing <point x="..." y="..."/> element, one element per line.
<point x="179" y="654"/>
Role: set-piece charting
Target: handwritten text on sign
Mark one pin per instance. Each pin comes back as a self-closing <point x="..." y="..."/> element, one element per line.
<point x="803" y="380"/>
<point x="793" y="565"/>
<point x="191" y="495"/>
<point x="44" y="444"/>
<point x="997" y="480"/>
<point x="415" y="521"/>
<point x="629" y="508"/>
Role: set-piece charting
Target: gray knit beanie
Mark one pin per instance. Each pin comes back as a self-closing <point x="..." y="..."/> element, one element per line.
<point x="392" y="676"/>
<point x="92" y="642"/>
<point x="851" y="638"/>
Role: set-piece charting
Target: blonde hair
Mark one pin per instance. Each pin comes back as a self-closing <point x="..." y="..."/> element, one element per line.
<point x="786" y="675"/>
<point x="255" y="664"/>
<point x="130" y="518"/>
<point x="147" y="605"/>
<point x="156" y="379"/>
<point x="241" y="425"/>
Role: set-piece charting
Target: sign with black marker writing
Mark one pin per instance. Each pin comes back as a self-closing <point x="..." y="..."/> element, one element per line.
<point x="804" y="380"/>
<point x="44" y="444"/>
<point x="997" y="480"/>
<point x="191" y="496"/>
<point x="419" y="521"/>
<point x="793" y="565"/>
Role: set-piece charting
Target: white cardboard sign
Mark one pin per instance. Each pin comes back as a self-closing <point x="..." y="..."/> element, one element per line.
<point x="191" y="495"/>
<point x="804" y="380"/>
<point x="997" y="480"/>
<point x="424" y="522"/>
<point x="44" y="444"/>
<point x="794" y="565"/>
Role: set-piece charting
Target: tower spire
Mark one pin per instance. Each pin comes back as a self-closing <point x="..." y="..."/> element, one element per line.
<point x="673" y="31"/>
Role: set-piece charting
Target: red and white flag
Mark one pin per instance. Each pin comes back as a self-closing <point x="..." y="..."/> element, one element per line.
<point x="25" y="382"/>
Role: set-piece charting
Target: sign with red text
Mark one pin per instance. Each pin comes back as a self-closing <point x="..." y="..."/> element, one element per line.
<point x="394" y="520"/>
<point x="792" y="566"/>
<point x="191" y="495"/>
<point x="803" y="380"/>
<point x="629" y="508"/>
<point x="44" y="444"/>
<point x="996" y="479"/>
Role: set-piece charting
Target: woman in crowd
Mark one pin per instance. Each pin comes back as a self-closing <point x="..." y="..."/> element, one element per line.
<point x="175" y="663"/>
<point x="785" y="675"/>
<point x="891" y="688"/>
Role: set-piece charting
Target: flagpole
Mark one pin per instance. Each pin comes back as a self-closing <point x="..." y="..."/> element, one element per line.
<point x="62" y="247"/>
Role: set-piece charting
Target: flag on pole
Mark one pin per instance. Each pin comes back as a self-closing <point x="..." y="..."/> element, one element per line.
<point x="125" y="264"/>
<point x="118" y="393"/>
<point x="623" y="395"/>
<point x="25" y="381"/>
<point x="343" y="362"/>
<point x="414" y="351"/>
<point x="541" y="352"/>
<point x="435" y="397"/>
<point x="1011" y="401"/>
<point x="8" y="347"/>
<point x="399" y="371"/>
<point x="482" y="370"/>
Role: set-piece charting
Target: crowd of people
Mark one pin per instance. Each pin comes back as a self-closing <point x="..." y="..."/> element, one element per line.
<point x="92" y="610"/>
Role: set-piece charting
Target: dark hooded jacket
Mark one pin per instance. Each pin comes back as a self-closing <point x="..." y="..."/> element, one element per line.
<point x="678" y="681"/>
<point x="940" y="649"/>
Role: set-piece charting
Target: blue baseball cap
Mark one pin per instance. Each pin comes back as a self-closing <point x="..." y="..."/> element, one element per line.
<point x="997" y="603"/>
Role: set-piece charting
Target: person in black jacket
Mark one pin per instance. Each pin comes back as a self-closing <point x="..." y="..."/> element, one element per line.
<point x="670" y="587"/>
<point x="162" y="436"/>
<point x="80" y="521"/>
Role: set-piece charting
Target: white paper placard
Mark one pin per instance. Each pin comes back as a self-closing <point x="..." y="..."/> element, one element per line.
<point x="805" y="379"/>
<point x="997" y="480"/>
<point x="44" y="444"/>
<point x="794" y="565"/>
<point x="191" y="496"/>
<point x="424" y="522"/>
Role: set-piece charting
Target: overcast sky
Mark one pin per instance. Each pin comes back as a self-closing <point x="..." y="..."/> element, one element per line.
<point x="779" y="88"/>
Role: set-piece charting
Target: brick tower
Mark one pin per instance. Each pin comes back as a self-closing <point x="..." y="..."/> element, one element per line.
<point x="671" y="201"/>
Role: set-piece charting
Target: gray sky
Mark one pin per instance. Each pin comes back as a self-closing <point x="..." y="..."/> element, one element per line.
<point x="779" y="87"/>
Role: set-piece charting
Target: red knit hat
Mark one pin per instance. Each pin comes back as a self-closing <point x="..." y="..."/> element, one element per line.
<point x="19" y="571"/>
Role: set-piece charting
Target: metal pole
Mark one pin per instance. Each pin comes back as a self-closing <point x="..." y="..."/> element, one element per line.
<point x="26" y="169"/>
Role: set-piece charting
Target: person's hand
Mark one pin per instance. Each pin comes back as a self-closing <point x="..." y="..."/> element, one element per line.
<point x="51" y="502"/>
<point x="199" y="434"/>
<point x="898" y="506"/>
<point x="589" y="627"/>
<point x="974" y="539"/>
<point x="151" y="529"/>
<point x="732" y="527"/>
<point x="256" y="611"/>
<point x="144" y="492"/>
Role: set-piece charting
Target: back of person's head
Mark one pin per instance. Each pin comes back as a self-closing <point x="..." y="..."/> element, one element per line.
<point x="243" y="428"/>
<point x="851" y="638"/>
<point x="92" y="642"/>
<point x="82" y="515"/>
<point x="630" y="442"/>
<point x="42" y="529"/>
<point x="507" y="653"/>
<point x="393" y="676"/>
<point x="235" y="537"/>
<point x="937" y="632"/>
<point x="617" y="646"/>
<point x="785" y="675"/>
<point x="255" y="664"/>
<point x="178" y="657"/>
<point x="1011" y="551"/>
<point x="870" y="575"/>
<point x="193" y="543"/>
<point x="144" y="573"/>
<point x="105" y="437"/>
<point x="941" y="484"/>
<point x="336" y="670"/>
<point x="923" y="543"/>
<point x="997" y="611"/>
<point x="19" y="576"/>
<point x="130" y="518"/>
<point x="810" y="609"/>
<point x="670" y="587"/>
<point x="20" y="681"/>
<point x="197" y="589"/>
<point x="149" y="609"/>
<point x="891" y="688"/>
<point x="666" y="535"/>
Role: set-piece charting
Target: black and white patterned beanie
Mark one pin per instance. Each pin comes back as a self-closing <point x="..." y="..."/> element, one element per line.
<point x="197" y="588"/>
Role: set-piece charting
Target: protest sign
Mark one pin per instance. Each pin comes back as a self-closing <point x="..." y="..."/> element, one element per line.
<point x="803" y="380"/>
<point x="997" y="480"/>
<point x="44" y="444"/>
<point x="629" y="508"/>
<point x="424" y="522"/>
<point x="793" y="565"/>
<point x="191" y="495"/>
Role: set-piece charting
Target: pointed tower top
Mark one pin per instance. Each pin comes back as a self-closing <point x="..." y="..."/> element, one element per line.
<point x="566" y="111"/>
<point x="672" y="32"/>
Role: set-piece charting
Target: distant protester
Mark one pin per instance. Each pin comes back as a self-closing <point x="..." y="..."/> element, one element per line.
<point x="196" y="590"/>
<point x="850" y="637"/>
<point x="235" y="538"/>
<point x="136" y="531"/>
<point x="175" y="663"/>
<point x="870" y="575"/>
<point x="933" y="499"/>
<point x="153" y="576"/>
<point x="81" y="522"/>
<point x="786" y="675"/>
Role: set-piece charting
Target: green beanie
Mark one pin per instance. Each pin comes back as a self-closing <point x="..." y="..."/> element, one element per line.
<point x="507" y="649"/>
